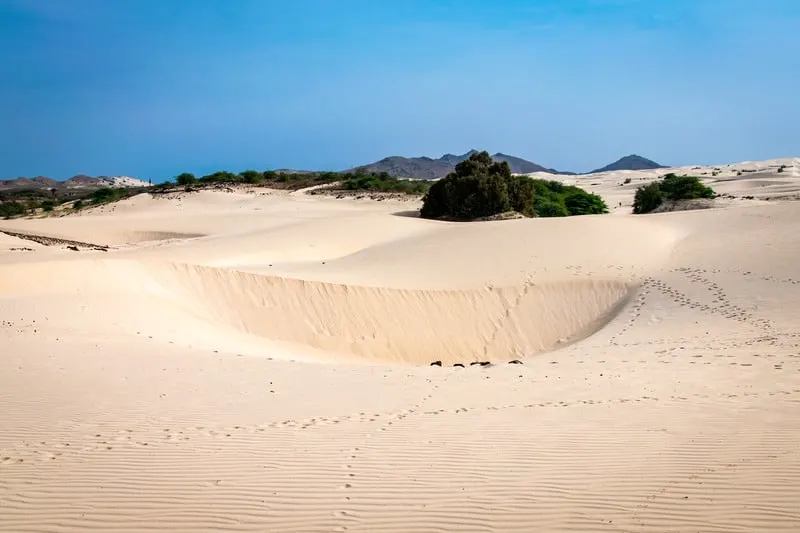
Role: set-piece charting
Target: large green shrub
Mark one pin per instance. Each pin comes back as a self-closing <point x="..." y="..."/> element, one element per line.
<point x="478" y="187"/>
<point x="554" y="199"/>
<point x="186" y="179"/>
<point x="671" y="187"/>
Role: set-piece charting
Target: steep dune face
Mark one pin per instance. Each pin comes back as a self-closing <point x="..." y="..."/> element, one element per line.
<point x="370" y="324"/>
<point x="409" y="326"/>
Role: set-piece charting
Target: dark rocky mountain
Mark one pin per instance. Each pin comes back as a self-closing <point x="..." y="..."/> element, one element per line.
<point x="428" y="168"/>
<point x="629" y="162"/>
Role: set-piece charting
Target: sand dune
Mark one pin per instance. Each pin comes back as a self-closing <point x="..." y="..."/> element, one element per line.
<point x="260" y="362"/>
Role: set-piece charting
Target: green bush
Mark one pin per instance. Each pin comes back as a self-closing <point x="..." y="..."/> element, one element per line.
<point x="684" y="188"/>
<point x="251" y="176"/>
<point x="107" y="194"/>
<point x="670" y="187"/>
<point x="554" y="199"/>
<point x="381" y="182"/>
<point x="647" y="198"/>
<point x="546" y="207"/>
<point x="579" y="202"/>
<point x="77" y="205"/>
<point x="48" y="205"/>
<point x="11" y="209"/>
<point x="186" y="179"/>
<point x="220" y="177"/>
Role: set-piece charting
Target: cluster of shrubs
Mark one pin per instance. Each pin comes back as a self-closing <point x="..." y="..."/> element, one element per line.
<point x="383" y="182"/>
<point x="669" y="188"/>
<point x="30" y="201"/>
<point x="554" y="199"/>
<point x="380" y="182"/>
<point x="12" y="208"/>
<point x="107" y="194"/>
<point x="480" y="187"/>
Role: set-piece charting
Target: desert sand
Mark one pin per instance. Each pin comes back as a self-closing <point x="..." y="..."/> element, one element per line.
<point x="259" y="361"/>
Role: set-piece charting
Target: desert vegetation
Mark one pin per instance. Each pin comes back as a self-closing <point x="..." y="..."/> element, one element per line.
<point x="480" y="187"/>
<point x="338" y="181"/>
<point x="11" y="208"/>
<point x="672" y="188"/>
<point x="27" y="202"/>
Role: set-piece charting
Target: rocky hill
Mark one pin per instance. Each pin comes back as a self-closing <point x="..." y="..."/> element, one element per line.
<point x="428" y="168"/>
<point x="629" y="162"/>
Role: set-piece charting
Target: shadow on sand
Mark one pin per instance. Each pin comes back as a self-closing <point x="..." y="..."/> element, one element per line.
<point x="410" y="214"/>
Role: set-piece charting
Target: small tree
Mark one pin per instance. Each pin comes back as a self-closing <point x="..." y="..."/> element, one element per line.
<point x="478" y="187"/>
<point x="186" y="179"/>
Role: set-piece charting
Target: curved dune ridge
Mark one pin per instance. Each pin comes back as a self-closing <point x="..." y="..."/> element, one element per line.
<point x="410" y="326"/>
<point x="367" y="323"/>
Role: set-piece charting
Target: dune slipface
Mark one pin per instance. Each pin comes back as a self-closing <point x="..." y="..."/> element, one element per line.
<point x="368" y="323"/>
<point x="409" y="326"/>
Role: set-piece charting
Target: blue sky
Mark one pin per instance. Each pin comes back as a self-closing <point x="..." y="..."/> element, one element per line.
<point x="152" y="88"/>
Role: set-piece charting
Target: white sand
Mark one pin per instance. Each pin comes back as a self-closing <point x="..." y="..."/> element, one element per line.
<point x="259" y="362"/>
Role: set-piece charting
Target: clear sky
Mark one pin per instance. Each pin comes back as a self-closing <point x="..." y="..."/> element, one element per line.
<point x="152" y="88"/>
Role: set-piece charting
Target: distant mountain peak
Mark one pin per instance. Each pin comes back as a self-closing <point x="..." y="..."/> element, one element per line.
<point x="629" y="162"/>
<point x="427" y="168"/>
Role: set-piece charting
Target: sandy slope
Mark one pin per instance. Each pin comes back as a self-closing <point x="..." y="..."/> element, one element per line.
<point x="259" y="362"/>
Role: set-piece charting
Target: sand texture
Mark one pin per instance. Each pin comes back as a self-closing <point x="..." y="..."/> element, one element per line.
<point x="259" y="361"/>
